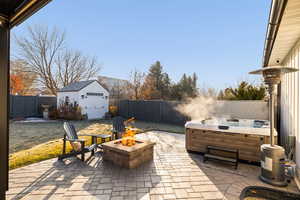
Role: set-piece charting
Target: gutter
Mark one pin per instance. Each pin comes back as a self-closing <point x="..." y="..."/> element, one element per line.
<point x="275" y="16"/>
<point x="26" y="10"/>
<point x="23" y="9"/>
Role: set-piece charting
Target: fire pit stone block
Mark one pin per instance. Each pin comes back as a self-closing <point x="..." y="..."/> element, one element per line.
<point x="128" y="157"/>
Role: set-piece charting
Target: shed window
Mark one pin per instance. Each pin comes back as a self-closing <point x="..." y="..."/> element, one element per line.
<point x="94" y="94"/>
<point x="67" y="100"/>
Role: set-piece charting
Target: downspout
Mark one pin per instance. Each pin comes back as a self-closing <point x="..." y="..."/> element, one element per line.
<point x="275" y="16"/>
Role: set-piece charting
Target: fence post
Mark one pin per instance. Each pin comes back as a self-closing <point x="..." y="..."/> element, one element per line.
<point x="37" y="99"/>
<point x="128" y="102"/>
<point x="160" y="111"/>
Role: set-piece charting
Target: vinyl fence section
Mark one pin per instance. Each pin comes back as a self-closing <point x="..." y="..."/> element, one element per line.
<point x="153" y="111"/>
<point x="29" y="106"/>
<point x="165" y="111"/>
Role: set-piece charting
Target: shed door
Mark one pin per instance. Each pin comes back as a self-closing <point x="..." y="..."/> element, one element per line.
<point x="95" y="105"/>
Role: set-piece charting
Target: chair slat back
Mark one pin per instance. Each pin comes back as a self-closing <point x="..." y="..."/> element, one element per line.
<point x="70" y="130"/>
<point x="118" y="124"/>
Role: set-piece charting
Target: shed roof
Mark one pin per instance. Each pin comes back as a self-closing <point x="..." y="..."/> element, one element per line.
<point x="76" y="86"/>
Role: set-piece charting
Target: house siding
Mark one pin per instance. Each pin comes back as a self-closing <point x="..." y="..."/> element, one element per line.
<point x="290" y="90"/>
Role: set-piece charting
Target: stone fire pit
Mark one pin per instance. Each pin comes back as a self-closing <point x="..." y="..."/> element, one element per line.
<point x="128" y="156"/>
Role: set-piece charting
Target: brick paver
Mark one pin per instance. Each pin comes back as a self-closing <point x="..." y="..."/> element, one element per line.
<point x="173" y="174"/>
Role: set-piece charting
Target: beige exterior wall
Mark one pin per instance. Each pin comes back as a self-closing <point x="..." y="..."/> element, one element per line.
<point x="290" y="90"/>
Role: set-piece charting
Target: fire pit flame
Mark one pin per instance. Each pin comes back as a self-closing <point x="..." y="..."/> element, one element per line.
<point x="128" y="139"/>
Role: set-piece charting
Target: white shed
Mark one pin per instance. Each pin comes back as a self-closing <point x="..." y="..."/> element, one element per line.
<point x="90" y="95"/>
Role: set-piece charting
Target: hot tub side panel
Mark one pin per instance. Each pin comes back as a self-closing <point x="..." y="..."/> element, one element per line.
<point x="248" y="145"/>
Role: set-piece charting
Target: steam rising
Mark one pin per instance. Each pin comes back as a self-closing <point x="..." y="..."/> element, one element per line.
<point x="199" y="108"/>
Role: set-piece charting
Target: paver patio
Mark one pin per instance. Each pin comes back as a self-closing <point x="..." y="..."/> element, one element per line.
<point x="173" y="174"/>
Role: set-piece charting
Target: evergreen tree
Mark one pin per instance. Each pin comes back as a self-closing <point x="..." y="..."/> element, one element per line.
<point x="244" y="91"/>
<point x="185" y="88"/>
<point x="157" y="83"/>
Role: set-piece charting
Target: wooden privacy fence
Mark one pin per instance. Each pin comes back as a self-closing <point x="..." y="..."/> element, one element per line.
<point x="154" y="111"/>
<point x="29" y="106"/>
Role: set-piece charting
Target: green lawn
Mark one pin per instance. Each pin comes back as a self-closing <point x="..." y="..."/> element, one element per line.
<point x="27" y="135"/>
<point x="33" y="142"/>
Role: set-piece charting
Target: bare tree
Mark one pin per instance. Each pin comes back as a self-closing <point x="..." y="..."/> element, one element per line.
<point x="136" y="83"/>
<point x="56" y="66"/>
<point x="72" y="66"/>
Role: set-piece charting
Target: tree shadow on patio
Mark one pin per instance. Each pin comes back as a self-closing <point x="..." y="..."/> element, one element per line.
<point x="223" y="180"/>
<point x="54" y="180"/>
<point x="173" y="173"/>
<point x="93" y="178"/>
<point x="111" y="180"/>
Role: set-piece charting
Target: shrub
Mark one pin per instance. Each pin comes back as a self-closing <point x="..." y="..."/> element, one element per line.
<point x="113" y="110"/>
<point x="53" y="114"/>
<point x="67" y="111"/>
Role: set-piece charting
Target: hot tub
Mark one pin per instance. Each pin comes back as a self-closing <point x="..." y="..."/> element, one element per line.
<point x="245" y="135"/>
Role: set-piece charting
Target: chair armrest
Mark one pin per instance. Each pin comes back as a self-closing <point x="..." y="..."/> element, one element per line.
<point x="92" y="135"/>
<point x="76" y="140"/>
<point x="88" y="135"/>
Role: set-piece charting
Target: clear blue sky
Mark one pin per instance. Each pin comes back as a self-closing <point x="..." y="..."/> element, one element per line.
<point x="220" y="40"/>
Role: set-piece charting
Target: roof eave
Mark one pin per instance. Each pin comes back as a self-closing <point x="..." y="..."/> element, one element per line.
<point x="26" y="9"/>
<point x="275" y="16"/>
